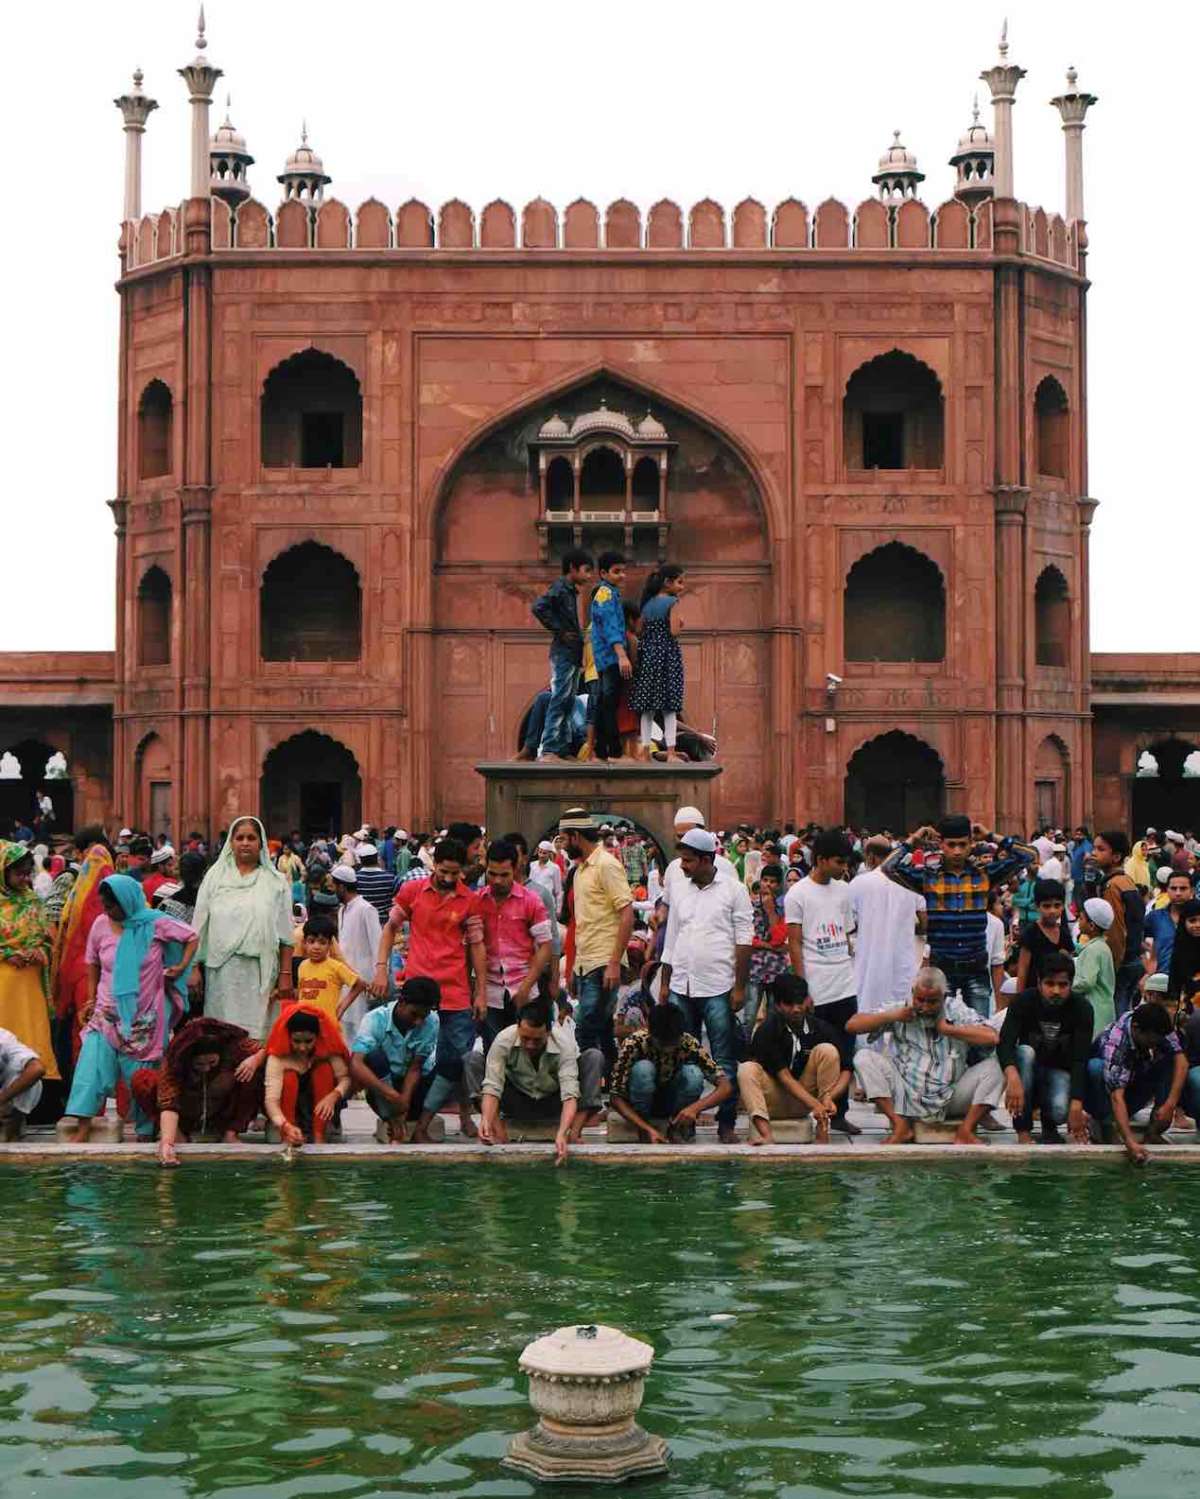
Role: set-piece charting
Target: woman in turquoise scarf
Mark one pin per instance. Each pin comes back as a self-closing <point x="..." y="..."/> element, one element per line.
<point x="137" y="961"/>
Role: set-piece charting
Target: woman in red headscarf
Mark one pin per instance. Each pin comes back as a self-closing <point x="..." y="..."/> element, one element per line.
<point x="308" y="1074"/>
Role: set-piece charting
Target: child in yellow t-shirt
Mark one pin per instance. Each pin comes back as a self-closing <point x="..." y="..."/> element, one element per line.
<point x="322" y="978"/>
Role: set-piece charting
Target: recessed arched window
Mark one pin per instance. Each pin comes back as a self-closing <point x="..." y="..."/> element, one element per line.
<point x="312" y="414"/>
<point x="1052" y="619"/>
<point x="892" y="415"/>
<point x="602" y="480"/>
<point x="895" y="607"/>
<point x="154" y="618"/>
<point x="560" y="484"/>
<point x="645" y="484"/>
<point x="310" y="606"/>
<point x="1052" y="421"/>
<point x="155" y="413"/>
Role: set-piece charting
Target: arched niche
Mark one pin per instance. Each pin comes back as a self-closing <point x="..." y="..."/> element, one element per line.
<point x="155" y="424"/>
<point x="895" y="782"/>
<point x="892" y="415"/>
<point x="310" y="606"/>
<point x="894" y="607"/>
<point x="1050" y="768"/>
<point x="1052" y="619"/>
<point x="154" y="618"/>
<point x="1051" y="417"/>
<point x="489" y="500"/>
<point x="312" y="782"/>
<point x="311" y="414"/>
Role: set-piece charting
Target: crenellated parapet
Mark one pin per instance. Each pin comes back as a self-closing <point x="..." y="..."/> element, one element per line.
<point x="539" y="228"/>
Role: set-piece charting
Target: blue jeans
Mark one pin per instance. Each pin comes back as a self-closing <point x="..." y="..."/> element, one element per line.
<point x="714" y="1014"/>
<point x="1049" y="1088"/>
<point x="652" y="1102"/>
<point x="975" y="986"/>
<point x="1125" y="994"/>
<point x="564" y="684"/>
<point x="756" y="998"/>
<point x="594" y="1009"/>
<point x="377" y="1061"/>
<point x="456" y="1037"/>
<point x="1190" y="1098"/>
<point x="1151" y="1086"/>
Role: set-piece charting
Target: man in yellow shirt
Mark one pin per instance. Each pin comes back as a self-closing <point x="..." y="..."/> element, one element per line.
<point x="604" y="914"/>
<point x="325" y="981"/>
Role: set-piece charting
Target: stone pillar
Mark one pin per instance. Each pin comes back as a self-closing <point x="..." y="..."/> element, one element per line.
<point x="121" y="769"/>
<point x="1083" y="785"/>
<point x="1073" y="107"/>
<point x="200" y="76"/>
<point x="1011" y="611"/>
<point x="135" y="108"/>
<point x="193" y="790"/>
<point x="1002" y="79"/>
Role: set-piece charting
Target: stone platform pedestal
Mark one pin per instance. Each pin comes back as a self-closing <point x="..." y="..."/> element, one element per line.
<point x="529" y="796"/>
<point x="586" y="1385"/>
<point x="793" y="1131"/>
<point x="935" y="1131"/>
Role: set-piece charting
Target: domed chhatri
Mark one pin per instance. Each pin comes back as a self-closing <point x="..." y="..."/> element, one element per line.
<point x="898" y="174"/>
<point x="651" y="429"/>
<point x="229" y="160"/>
<point x="555" y="428"/>
<point x="974" y="162"/>
<point x="304" y="176"/>
<point x="586" y="1384"/>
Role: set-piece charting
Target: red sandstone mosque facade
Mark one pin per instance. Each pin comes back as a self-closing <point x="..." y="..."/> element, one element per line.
<point x="352" y="445"/>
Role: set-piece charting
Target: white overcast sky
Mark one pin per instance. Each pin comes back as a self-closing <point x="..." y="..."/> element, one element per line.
<point x="686" y="98"/>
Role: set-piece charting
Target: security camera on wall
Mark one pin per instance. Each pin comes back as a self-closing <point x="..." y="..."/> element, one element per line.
<point x="832" y="681"/>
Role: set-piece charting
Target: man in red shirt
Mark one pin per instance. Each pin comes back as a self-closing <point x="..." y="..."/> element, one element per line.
<point x="443" y="929"/>
<point x="516" y="937"/>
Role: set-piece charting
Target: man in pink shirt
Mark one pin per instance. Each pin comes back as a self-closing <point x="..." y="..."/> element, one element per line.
<point x="516" y="937"/>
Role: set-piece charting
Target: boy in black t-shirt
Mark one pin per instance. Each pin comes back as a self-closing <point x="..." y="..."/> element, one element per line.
<point x="799" y="1065"/>
<point x="1043" y="1050"/>
<point x="1051" y="932"/>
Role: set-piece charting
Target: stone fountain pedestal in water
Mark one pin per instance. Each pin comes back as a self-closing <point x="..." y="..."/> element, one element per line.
<point x="586" y="1385"/>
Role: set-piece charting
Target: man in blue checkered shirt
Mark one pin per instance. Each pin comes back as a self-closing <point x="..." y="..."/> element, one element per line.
<point x="956" y="875"/>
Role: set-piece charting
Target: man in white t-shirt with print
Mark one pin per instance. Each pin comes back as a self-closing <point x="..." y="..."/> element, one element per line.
<point x="820" y="918"/>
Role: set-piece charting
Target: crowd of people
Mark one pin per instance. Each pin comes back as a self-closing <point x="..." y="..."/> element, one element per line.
<point x="940" y="976"/>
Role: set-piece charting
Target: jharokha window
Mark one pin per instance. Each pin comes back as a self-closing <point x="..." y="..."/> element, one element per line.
<point x="602" y="481"/>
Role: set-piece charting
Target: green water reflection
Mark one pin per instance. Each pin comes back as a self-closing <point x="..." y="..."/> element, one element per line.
<point x="354" y="1329"/>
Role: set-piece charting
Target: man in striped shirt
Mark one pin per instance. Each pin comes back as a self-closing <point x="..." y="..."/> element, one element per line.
<point x="926" y="1076"/>
<point x="956" y="887"/>
<point x="376" y="886"/>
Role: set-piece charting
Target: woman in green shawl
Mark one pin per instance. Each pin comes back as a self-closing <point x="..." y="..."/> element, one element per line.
<point x="26" y="936"/>
<point x="244" y="920"/>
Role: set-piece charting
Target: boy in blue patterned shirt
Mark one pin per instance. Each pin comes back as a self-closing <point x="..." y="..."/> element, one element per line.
<point x="608" y="650"/>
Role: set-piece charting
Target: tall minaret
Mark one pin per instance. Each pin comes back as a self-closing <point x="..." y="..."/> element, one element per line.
<point x="1073" y="106"/>
<point x="1002" y="80"/>
<point x="200" y="77"/>
<point x="135" y="108"/>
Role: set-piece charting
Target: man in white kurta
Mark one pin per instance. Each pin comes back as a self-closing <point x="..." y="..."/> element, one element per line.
<point x="358" y="938"/>
<point x="886" y="950"/>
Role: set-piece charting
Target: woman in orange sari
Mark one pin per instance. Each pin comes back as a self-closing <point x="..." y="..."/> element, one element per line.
<point x="68" y="965"/>
<point x="308" y="1073"/>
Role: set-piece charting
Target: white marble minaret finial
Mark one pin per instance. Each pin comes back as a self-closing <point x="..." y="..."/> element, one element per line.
<point x="201" y="77"/>
<point x="1002" y="80"/>
<point x="135" y="109"/>
<point x="1073" y="106"/>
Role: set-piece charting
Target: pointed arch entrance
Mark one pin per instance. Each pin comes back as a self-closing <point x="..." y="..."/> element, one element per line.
<point x="29" y="769"/>
<point x="312" y="783"/>
<point x="894" y="782"/>
<point x="489" y="656"/>
<point x="1166" y="785"/>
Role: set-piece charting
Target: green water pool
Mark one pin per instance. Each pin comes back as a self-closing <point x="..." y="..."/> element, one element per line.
<point x="333" y="1329"/>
